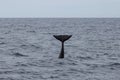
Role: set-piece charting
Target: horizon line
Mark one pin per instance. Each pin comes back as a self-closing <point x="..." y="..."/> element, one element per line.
<point x="59" y="17"/>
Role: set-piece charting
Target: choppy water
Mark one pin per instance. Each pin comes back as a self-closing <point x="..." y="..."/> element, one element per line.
<point x="28" y="51"/>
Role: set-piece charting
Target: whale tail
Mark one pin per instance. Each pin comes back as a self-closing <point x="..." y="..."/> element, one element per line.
<point x="62" y="38"/>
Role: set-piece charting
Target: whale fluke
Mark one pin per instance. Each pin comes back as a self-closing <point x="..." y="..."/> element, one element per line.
<point x="62" y="38"/>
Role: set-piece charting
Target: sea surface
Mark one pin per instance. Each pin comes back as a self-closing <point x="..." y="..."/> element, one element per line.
<point x="28" y="50"/>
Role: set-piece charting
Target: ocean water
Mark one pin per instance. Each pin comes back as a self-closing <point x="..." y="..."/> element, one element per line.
<point x="28" y="50"/>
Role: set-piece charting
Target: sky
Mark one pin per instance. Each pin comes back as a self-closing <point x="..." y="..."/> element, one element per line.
<point x="59" y="8"/>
